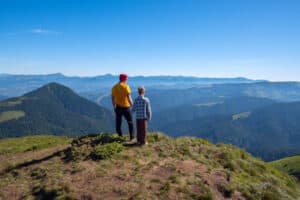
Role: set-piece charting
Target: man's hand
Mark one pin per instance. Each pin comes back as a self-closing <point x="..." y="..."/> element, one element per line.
<point x="113" y="102"/>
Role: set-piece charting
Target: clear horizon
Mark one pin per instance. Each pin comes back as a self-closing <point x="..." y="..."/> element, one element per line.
<point x="218" y="39"/>
<point x="132" y="75"/>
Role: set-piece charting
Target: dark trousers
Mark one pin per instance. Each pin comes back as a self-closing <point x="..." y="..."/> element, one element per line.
<point x="126" y="112"/>
<point x="141" y="127"/>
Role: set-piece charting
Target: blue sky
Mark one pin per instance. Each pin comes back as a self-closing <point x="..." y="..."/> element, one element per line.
<point x="258" y="39"/>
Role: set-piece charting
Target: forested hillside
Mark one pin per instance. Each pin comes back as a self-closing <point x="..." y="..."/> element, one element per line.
<point x="271" y="132"/>
<point x="52" y="109"/>
<point x="222" y="106"/>
<point x="289" y="165"/>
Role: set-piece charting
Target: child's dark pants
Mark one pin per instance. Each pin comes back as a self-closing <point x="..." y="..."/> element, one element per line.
<point x="141" y="127"/>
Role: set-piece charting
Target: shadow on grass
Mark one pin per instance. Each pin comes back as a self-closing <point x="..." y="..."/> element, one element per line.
<point x="297" y="175"/>
<point x="31" y="162"/>
<point x="131" y="145"/>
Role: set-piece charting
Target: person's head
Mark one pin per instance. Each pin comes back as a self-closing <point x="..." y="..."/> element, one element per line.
<point x="141" y="90"/>
<point x="123" y="77"/>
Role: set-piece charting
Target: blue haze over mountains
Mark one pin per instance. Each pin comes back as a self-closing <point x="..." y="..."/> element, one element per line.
<point x="14" y="85"/>
<point x="257" y="115"/>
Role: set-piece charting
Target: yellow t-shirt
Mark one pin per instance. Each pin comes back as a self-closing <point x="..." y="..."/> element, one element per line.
<point x="120" y="92"/>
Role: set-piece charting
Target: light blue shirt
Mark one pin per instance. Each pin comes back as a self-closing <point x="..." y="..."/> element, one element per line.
<point x="142" y="108"/>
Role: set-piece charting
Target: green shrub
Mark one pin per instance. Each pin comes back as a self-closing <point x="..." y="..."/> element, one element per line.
<point x="206" y="195"/>
<point x="42" y="192"/>
<point x="165" y="188"/>
<point x="107" y="138"/>
<point x="157" y="137"/>
<point x="183" y="149"/>
<point x="71" y="154"/>
<point x="33" y="148"/>
<point x="226" y="190"/>
<point x="106" y="151"/>
<point x="38" y="173"/>
<point x="174" y="179"/>
<point x="270" y="193"/>
<point x="75" y="168"/>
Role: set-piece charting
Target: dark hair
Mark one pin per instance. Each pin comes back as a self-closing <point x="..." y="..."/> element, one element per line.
<point x="141" y="89"/>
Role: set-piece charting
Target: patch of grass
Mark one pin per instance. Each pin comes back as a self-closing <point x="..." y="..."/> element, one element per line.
<point x="30" y="143"/>
<point x="106" y="151"/>
<point x="11" y="115"/>
<point x="270" y="195"/>
<point x="157" y="137"/>
<point x="226" y="190"/>
<point x="174" y="179"/>
<point x="75" y="168"/>
<point x="13" y="102"/>
<point x="56" y="192"/>
<point x="165" y="188"/>
<point x="205" y="195"/>
<point x="107" y="138"/>
<point x="72" y="154"/>
<point x="208" y="196"/>
<point x="183" y="146"/>
<point x="241" y="115"/>
<point x="101" y="172"/>
<point x="38" y="173"/>
<point x="208" y="104"/>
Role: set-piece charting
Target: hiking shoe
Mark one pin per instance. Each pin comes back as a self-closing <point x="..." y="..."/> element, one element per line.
<point x="132" y="140"/>
<point x="143" y="144"/>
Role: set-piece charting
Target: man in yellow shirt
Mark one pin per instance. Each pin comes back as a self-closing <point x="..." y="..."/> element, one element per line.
<point x="122" y="101"/>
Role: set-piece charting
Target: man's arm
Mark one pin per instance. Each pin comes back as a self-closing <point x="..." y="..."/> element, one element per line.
<point x="113" y="101"/>
<point x="133" y="109"/>
<point x="130" y="99"/>
<point x="129" y="95"/>
<point x="148" y="110"/>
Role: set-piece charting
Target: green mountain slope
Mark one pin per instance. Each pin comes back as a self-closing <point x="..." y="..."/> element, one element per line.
<point x="271" y="132"/>
<point x="52" y="109"/>
<point x="2" y="97"/>
<point x="107" y="167"/>
<point x="290" y="165"/>
<point x="223" y="106"/>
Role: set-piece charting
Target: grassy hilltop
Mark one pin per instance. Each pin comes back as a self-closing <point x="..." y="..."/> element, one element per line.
<point x="107" y="167"/>
<point x="290" y="165"/>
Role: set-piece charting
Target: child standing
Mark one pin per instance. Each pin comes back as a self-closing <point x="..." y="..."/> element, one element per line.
<point x="142" y="108"/>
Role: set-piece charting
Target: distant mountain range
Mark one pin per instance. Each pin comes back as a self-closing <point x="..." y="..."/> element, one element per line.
<point x="162" y="99"/>
<point x="15" y="85"/>
<point x="52" y="109"/>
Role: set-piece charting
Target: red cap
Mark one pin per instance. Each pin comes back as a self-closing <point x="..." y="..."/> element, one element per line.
<point x="123" y="77"/>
